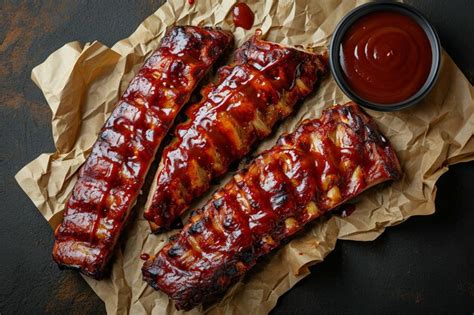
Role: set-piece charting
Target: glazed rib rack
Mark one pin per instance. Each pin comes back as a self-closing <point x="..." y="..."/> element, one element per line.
<point x="260" y="88"/>
<point x="309" y="172"/>
<point x="113" y="174"/>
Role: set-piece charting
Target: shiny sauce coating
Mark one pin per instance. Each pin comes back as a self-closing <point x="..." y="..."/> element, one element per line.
<point x="386" y="57"/>
<point x="249" y="98"/>
<point x="322" y="164"/>
<point x="113" y="174"/>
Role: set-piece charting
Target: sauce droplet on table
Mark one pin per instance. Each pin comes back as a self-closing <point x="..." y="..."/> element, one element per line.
<point x="243" y="16"/>
<point x="144" y="256"/>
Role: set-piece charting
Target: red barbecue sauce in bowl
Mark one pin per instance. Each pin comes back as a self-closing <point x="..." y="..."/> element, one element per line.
<point x="386" y="57"/>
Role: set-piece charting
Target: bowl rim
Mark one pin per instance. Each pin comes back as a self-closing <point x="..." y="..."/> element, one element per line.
<point x="362" y="10"/>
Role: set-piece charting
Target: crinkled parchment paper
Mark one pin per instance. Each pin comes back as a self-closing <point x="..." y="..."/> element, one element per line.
<point x="82" y="83"/>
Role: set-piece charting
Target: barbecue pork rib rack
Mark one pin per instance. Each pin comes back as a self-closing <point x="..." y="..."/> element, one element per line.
<point x="260" y="88"/>
<point x="113" y="174"/>
<point x="309" y="172"/>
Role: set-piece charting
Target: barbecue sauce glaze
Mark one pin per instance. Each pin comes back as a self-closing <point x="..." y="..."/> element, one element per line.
<point x="309" y="172"/>
<point x="114" y="172"/>
<point x="264" y="84"/>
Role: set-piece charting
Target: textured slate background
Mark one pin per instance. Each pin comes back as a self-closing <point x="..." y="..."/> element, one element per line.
<point x="424" y="265"/>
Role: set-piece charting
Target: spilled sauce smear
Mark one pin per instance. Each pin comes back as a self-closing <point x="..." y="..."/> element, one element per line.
<point x="243" y="16"/>
<point x="346" y="210"/>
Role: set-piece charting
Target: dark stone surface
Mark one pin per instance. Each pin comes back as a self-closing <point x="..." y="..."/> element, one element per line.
<point x="423" y="265"/>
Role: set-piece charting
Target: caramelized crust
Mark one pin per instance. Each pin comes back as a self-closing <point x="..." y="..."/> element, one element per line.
<point x="113" y="174"/>
<point x="259" y="89"/>
<point x="322" y="164"/>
